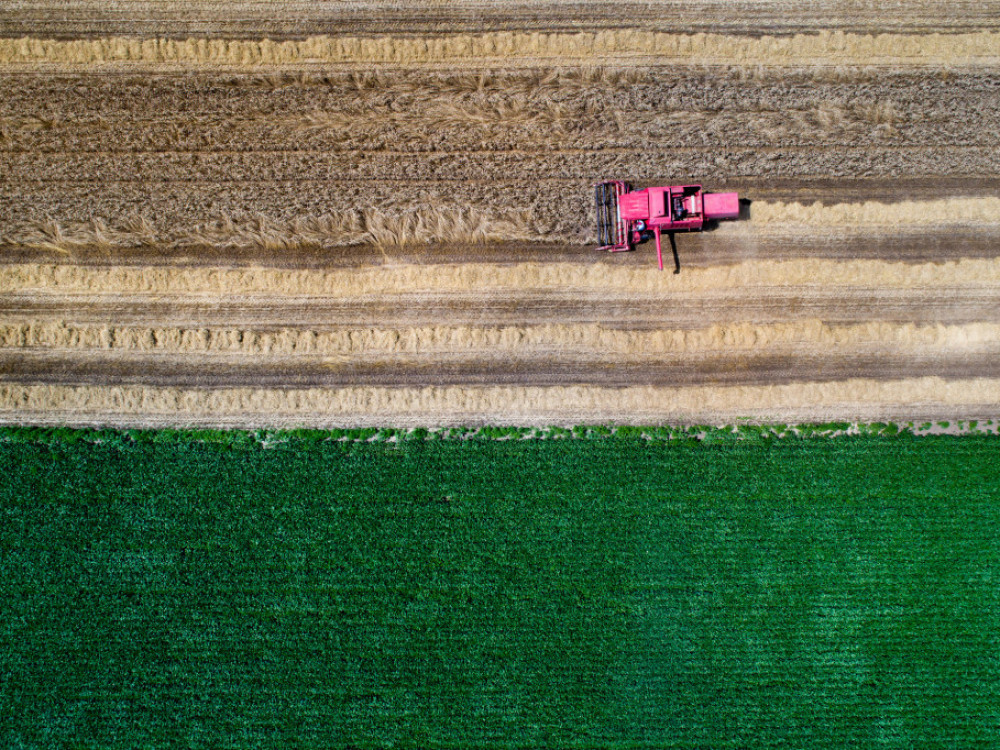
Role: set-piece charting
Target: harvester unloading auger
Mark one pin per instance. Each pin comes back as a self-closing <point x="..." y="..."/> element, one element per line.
<point x="626" y="217"/>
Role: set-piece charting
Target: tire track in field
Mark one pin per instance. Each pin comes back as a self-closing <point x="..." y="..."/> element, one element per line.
<point x="720" y="247"/>
<point x="226" y="371"/>
<point x="949" y="305"/>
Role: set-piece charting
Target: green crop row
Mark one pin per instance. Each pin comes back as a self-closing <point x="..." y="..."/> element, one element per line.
<point x="588" y="587"/>
<point x="698" y="433"/>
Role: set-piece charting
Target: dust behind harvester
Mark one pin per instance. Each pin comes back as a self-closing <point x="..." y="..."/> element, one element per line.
<point x="627" y="217"/>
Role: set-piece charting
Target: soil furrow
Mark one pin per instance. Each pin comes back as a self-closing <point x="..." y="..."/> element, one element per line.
<point x="217" y="371"/>
<point x="297" y="19"/>
<point x="696" y="250"/>
<point x="943" y="304"/>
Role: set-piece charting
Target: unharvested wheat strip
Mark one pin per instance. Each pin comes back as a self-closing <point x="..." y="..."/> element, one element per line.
<point x="367" y="226"/>
<point x="375" y="343"/>
<point x="465" y="277"/>
<point x="874" y="213"/>
<point x="438" y="405"/>
<point x="516" y="48"/>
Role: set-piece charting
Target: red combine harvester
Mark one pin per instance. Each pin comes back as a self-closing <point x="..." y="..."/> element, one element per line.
<point x="626" y="217"/>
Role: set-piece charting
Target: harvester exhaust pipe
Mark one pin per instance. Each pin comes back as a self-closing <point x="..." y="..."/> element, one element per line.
<point x="673" y="247"/>
<point x="659" y="249"/>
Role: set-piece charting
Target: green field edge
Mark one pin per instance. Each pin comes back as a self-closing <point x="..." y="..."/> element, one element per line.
<point x="272" y="438"/>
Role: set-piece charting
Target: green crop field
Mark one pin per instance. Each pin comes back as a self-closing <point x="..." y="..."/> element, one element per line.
<point x="205" y="590"/>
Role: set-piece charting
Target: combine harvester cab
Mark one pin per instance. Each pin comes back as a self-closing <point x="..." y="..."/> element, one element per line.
<point x="626" y="217"/>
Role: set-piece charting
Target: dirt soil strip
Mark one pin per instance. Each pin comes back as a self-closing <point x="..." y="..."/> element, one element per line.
<point x="485" y="369"/>
<point x="945" y="304"/>
<point x="914" y="398"/>
<point x="714" y="248"/>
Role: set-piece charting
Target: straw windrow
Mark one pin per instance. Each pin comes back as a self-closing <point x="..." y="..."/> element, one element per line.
<point x="515" y="48"/>
<point x="581" y="339"/>
<point x="478" y="277"/>
<point x="373" y="405"/>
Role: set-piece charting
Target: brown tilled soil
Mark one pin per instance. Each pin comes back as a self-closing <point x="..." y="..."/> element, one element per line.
<point x="296" y="19"/>
<point x="323" y="171"/>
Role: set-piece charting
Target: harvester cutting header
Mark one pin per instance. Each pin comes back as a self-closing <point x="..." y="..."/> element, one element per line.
<point x="627" y="217"/>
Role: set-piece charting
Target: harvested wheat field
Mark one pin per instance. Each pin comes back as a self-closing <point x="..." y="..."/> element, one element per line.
<point x="361" y="213"/>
